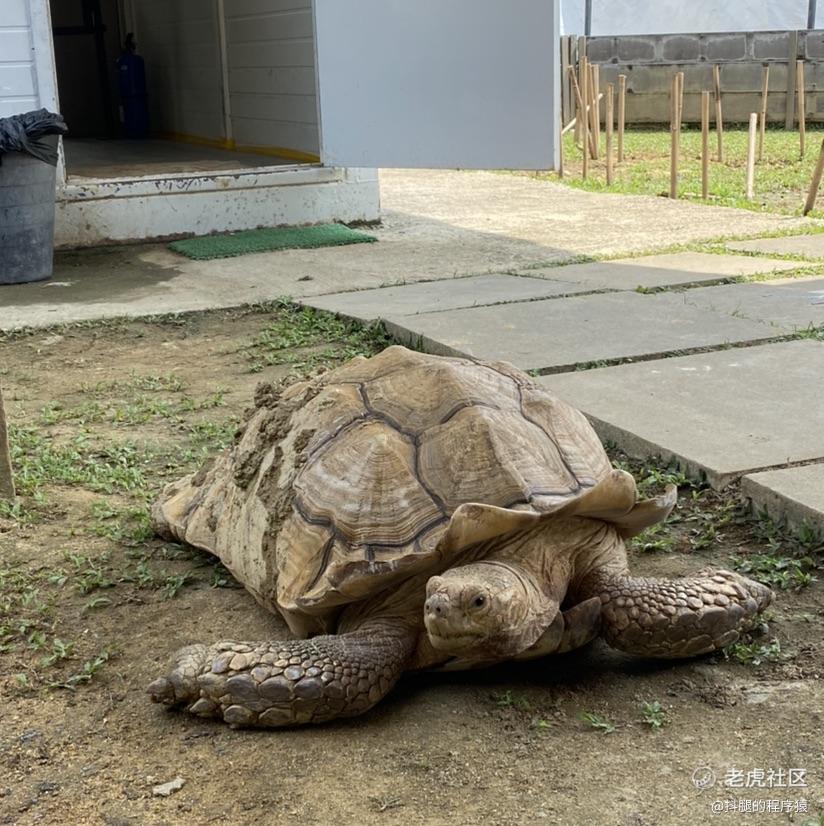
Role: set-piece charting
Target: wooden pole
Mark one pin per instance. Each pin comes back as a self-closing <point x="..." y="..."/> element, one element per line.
<point x="812" y="194"/>
<point x="719" y="118"/>
<point x="705" y="145"/>
<point x="674" y="136"/>
<point x="595" y="110"/>
<point x="802" y="104"/>
<point x="6" y="475"/>
<point x="610" y="115"/>
<point x="560" y="149"/>
<point x="622" y="114"/>
<point x="584" y="120"/>
<point x="792" y="55"/>
<point x="582" y="81"/>
<point x="765" y="87"/>
<point x="680" y="76"/>
<point x="751" y="154"/>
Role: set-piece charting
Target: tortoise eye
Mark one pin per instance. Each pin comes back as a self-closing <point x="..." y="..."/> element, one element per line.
<point x="479" y="601"/>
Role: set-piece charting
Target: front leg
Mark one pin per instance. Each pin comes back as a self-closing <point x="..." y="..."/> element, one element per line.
<point x="290" y="682"/>
<point x="672" y="618"/>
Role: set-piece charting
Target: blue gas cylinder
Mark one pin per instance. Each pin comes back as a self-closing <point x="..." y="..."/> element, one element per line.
<point x="131" y="80"/>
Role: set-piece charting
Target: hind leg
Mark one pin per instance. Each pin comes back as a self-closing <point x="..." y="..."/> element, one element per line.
<point x="672" y="618"/>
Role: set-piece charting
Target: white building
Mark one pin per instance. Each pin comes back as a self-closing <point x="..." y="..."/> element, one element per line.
<point x="267" y="112"/>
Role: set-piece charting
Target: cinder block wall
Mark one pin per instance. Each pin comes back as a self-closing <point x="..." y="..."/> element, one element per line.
<point x="649" y="62"/>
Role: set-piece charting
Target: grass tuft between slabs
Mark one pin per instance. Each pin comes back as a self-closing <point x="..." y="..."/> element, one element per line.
<point x="267" y="239"/>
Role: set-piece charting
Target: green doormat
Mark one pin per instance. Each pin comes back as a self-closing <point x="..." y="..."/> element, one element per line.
<point x="269" y="238"/>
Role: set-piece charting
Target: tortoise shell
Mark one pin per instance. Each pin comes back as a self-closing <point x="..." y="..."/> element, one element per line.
<point x="388" y="448"/>
<point x="340" y="487"/>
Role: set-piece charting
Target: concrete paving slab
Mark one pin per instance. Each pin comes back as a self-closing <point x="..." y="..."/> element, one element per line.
<point x="795" y="303"/>
<point x="722" y="414"/>
<point x="794" y="494"/>
<point x="559" y="334"/>
<point x="670" y="270"/>
<point x="436" y="296"/>
<point x="807" y="246"/>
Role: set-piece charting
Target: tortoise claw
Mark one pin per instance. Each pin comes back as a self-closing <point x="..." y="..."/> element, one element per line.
<point x="161" y="691"/>
<point x="180" y="684"/>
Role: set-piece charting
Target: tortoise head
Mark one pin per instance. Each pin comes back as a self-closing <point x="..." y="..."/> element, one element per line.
<point x="486" y="610"/>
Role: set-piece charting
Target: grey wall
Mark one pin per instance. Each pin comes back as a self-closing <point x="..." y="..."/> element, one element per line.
<point x="649" y="62"/>
<point x="656" y="16"/>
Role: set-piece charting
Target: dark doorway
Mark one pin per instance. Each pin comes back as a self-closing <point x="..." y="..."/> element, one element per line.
<point x="86" y="43"/>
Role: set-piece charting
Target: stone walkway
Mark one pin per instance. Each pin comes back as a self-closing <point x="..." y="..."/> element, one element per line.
<point x="663" y="351"/>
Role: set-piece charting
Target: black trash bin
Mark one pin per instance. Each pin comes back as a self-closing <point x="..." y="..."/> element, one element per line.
<point x="28" y="157"/>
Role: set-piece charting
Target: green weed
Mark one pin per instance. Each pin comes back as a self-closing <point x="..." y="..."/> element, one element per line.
<point x="596" y="721"/>
<point x="653" y="715"/>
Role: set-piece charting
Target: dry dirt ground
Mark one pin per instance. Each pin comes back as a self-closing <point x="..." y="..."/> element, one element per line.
<point x="92" y="606"/>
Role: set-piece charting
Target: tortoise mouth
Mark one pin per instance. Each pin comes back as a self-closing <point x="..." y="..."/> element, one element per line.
<point x="444" y="641"/>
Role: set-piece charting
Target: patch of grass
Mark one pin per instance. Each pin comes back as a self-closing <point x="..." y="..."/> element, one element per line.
<point x="129" y="525"/>
<point x="88" y="671"/>
<point x="88" y="574"/>
<point x="596" y="721"/>
<point x="658" y="538"/>
<point x="781" y="179"/>
<point x="790" y="559"/>
<point x="137" y="410"/>
<point x="509" y="699"/>
<point x="748" y="652"/>
<point x="167" y="583"/>
<point x="104" y="468"/>
<point x="652" y="475"/>
<point x="653" y="715"/>
<point x="307" y="330"/>
<point x="784" y="572"/>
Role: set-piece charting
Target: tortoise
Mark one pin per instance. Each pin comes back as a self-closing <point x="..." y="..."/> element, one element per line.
<point x="411" y="511"/>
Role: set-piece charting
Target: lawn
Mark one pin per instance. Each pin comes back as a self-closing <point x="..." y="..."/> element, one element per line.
<point x="781" y="178"/>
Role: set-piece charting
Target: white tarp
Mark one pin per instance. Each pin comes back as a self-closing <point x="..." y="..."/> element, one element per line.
<point x="680" y="16"/>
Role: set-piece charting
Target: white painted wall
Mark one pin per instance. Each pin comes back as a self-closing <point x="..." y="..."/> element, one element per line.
<point x="179" y="41"/>
<point x="677" y="16"/>
<point x="18" y="79"/>
<point x="271" y="64"/>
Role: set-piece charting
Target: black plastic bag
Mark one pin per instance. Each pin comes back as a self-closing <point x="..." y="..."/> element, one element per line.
<point x="25" y="133"/>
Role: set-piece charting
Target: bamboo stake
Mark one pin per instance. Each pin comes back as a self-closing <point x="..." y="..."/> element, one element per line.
<point x="705" y="145"/>
<point x="580" y="81"/>
<point x="719" y="118"/>
<point x="765" y="87"/>
<point x="594" y="75"/>
<point x="812" y="194"/>
<point x="561" y="149"/>
<point x="751" y="154"/>
<point x="802" y="104"/>
<point x="622" y="112"/>
<point x="610" y="115"/>
<point x="584" y="94"/>
<point x="680" y="76"/>
<point x="6" y="475"/>
<point x="674" y="136"/>
<point x="573" y="123"/>
<point x="584" y="120"/>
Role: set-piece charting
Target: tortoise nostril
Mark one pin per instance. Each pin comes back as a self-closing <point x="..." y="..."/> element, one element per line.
<point x="437" y="604"/>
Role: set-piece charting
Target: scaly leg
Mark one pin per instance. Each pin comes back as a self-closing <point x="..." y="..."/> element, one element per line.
<point x="290" y="682"/>
<point x="672" y="618"/>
